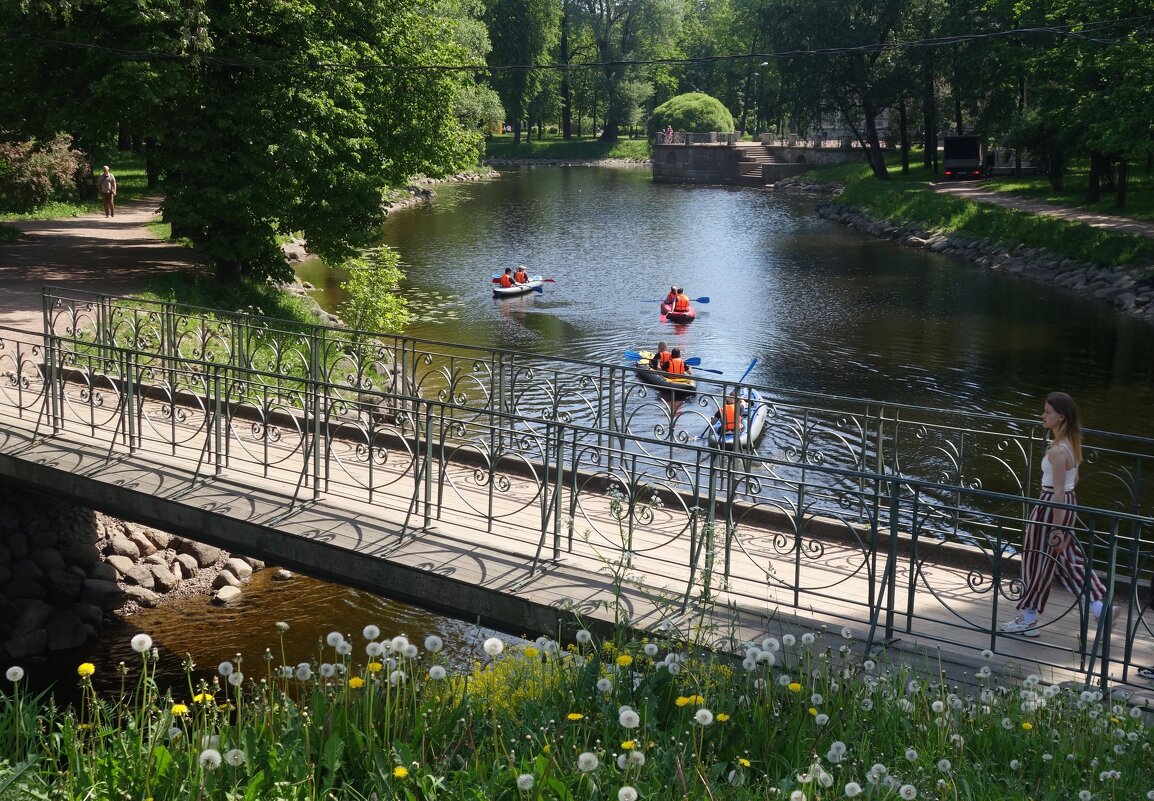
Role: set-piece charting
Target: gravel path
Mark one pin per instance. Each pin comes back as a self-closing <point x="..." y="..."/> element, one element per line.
<point x="114" y="256"/>
<point x="980" y="194"/>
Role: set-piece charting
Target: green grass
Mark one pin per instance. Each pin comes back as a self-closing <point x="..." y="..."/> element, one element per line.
<point x="201" y="289"/>
<point x="911" y="198"/>
<point x="1139" y="192"/>
<point x="131" y="183"/>
<point x="502" y="147"/>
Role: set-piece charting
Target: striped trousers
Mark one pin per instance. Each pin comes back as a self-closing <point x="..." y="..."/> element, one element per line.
<point x="1040" y="564"/>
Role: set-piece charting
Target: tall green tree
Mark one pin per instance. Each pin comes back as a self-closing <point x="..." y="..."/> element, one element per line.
<point x="523" y="32"/>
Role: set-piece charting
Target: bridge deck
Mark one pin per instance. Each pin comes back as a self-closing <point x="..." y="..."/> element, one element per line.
<point x="484" y="556"/>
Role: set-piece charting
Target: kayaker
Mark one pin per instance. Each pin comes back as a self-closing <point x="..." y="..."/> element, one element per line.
<point x="507" y="279"/>
<point x="677" y="365"/>
<point x="727" y="420"/>
<point x="671" y="298"/>
<point x="681" y="305"/>
<point x="521" y="277"/>
<point x="660" y="360"/>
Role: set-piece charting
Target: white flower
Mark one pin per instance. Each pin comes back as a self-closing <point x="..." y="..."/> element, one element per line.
<point x="286" y="671"/>
<point x="770" y="644"/>
<point x="604" y="685"/>
<point x="141" y="643"/>
<point x="397" y="677"/>
<point x="847" y="633"/>
<point x="409" y="651"/>
<point x="867" y="704"/>
<point x="938" y="707"/>
<point x="808" y="638"/>
<point x="225" y="669"/>
<point x="637" y="758"/>
<point x="1085" y="795"/>
<point x="327" y="670"/>
<point x="868" y="666"/>
<point x="400" y="641"/>
<point x="434" y="644"/>
<point x="174" y="733"/>
<point x="631" y="720"/>
<point x="210" y="759"/>
<point x="304" y="672"/>
<point x="1015" y="764"/>
<point x="944" y="765"/>
<point x="370" y="632"/>
<point x="345" y="648"/>
<point x="852" y="790"/>
<point x="816" y="699"/>
<point x="821" y="719"/>
<point x="334" y="638"/>
<point x="908" y="792"/>
<point x="587" y="762"/>
<point x="788" y="640"/>
<point x="1007" y="724"/>
<point x="627" y="793"/>
<point x="494" y="647"/>
<point x="797" y="795"/>
<point x="436" y="673"/>
<point x="282" y="627"/>
<point x="837" y="747"/>
<point x="234" y="757"/>
<point x="236" y="679"/>
<point x="749" y="664"/>
<point x="650" y="649"/>
<point x="15" y="673"/>
<point x="525" y="782"/>
<point x="911" y="755"/>
<point x="374" y="649"/>
<point x="703" y="717"/>
<point x="622" y="764"/>
<point x="584" y="637"/>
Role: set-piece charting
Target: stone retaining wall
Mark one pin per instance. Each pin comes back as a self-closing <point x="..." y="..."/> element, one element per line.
<point x="64" y="569"/>
<point x="1130" y="291"/>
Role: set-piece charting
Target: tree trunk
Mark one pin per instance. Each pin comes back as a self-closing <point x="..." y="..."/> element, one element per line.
<point x="516" y="132"/>
<point x="151" y="167"/>
<point x="930" y="157"/>
<point x="903" y="122"/>
<point x="1123" y="175"/>
<point x="1094" y="192"/>
<point x="876" y="157"/>
<point x="229" y="272"/>
<point x="1056" y="171"/>
<point x="958" y="126"/>
<point x="566" y="90"/>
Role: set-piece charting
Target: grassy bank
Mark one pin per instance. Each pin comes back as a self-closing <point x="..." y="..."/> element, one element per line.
<point x="587" y="149"/>
<point x="910" y="198"/>
<point x="131" y="183"/>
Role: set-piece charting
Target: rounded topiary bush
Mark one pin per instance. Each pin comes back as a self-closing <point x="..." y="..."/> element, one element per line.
<point x="696" y="112"/>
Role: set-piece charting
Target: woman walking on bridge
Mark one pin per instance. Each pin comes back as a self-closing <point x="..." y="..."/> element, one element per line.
<point x="1049" y="547"/>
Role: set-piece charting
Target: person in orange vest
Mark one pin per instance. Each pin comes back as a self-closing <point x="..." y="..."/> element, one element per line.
<point x="660" y="360"/>
<point x="671" y="298"/>
<point x="677" y="365"/>
<point x="521" y="277"/>
<point x="682" y="302"/>
<point x="507" y="279"/>
<point x="727" y="420"/>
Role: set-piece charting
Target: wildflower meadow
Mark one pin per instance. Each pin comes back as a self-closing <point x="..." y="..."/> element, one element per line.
<point x="800" y="717"/>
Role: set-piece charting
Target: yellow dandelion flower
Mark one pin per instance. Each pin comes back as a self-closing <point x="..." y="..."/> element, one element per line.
<point x="531" y="652"/>
<point x="813" y="711"/>
<point x="629" y="745"/>
<point x="374" y="667"/>
<point x="400" y="772"/>
<point x="546" y="748"/>
<point x="625" y="660"/>
<point x="356" y="682"/>
<point x="681" y="700"/>
<point x="794" y="687"/>
<point x="178" y="710"/>
<point x="696" y="699"/>
<point x="86" y="669"/>
<point x="574" y="716"/>
<point x="722" y="717"/>
<point x="1027" y="725"/>
<point x="743" y="762"/>
<point x="1114" y="719"/>
<point x="202" y="698"/>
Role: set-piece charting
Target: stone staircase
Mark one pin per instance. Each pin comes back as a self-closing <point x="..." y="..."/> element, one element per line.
<point x="749" y="162"/>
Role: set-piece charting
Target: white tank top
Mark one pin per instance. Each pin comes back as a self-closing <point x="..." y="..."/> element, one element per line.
<point x="1048" y="470"/>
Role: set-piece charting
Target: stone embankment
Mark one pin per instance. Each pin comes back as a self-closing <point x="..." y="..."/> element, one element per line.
<point x="65" y="569"/>
<point x="1130" y="291"/>
<point x="568" y="162"/>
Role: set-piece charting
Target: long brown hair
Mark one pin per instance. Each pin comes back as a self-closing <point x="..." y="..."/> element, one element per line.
<point x="1070" y="429"/>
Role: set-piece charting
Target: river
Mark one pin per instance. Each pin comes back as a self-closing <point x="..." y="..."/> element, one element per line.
<point x="824" y="308"/>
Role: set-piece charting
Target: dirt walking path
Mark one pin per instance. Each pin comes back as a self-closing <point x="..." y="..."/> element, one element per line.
<point x="980" y="194"/>
<point x="109" y="255"/>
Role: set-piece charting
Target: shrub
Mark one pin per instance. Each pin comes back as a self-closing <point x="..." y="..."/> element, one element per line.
<point x="33" y="173"/>
<point x="694" y="112"/>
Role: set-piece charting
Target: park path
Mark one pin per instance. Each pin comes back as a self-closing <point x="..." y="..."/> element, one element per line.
<point x="110" y="255"/>
<point x="980" y="193"/>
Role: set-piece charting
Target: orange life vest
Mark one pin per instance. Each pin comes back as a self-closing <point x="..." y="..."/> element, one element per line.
<point x="729" y="417"/>
<point x="677" y="367"/>
<point x="682" y="304"/>
<point x="670" y="299"/>
<point x="521" y="277"/>
<point x="660" y="360"/>
<point x="506" y="281"/>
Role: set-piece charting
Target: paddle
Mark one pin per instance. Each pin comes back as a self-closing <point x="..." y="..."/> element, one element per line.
<point x="749" y="369"/>
<point x="497" y="278"/>
<point x="692" y="361"/>
<point x="692" y="300"/>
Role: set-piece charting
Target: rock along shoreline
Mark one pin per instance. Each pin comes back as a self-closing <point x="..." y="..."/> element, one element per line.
<point x="1129" y="291"/>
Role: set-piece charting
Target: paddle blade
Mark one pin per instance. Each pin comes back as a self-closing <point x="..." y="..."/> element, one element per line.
<point x="540" y="289"/>
<point x="748" y="370"/>
<point x="708" y="370"/>
<point x="549" y="280"/>
<point x="701" y="300"/>
<point x="693" y="361"/>
<point x="633" y="355"/>
<point x="496" y="279"/>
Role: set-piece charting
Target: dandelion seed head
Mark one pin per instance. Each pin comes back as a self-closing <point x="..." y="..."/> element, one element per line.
<point x="494" y="647"/>
<point x="436" y="673"/>
<point x="400" y="641"/>
<point x="141" y="643"/>
<point x="626" y="793"/>
<point x="605" y="685"/>
<point x="234" y="757"/>
<point x="304" y="671"/>
<point x="374" y="650"/>
<point x="434" y="644"/>
<point x="525" y="782"/>
<point x="236" y="679"/>
<point x="15" y="673"/>
<point x="852" y="790"/>
<point x="210" y="759"/>
<point x="703" y="717"/>
<point x="334" y="638"/>
<point x="908" y="792"/>
<point x="630" y="719"/>
<point x="587" y="762"/>
<point x="650" y="649"/>
<point x="584" y="637"/>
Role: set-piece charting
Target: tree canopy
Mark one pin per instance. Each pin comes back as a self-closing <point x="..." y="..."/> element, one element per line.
<point x="694" y="111"/>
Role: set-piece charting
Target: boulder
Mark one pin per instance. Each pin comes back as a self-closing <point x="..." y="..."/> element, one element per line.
<point x="142" y="542"/>
<point x="23" y="646"/>
<point x="143" y="596"/>
<point x="283" y="575"/>
<point x="239" y="568"/>
<point x="141" y="576"/>
<point x="29" y="614"/>
<point x="26" y="569"/>
<point x="156" y="558"/>
<point x="65" y="630"/>
<point x="164" y="580"/>
<point x="83" y="554"/>
<point x="120" y="564"/>
<point x="63" y="586"/>
<point x="106" y="595"/>
<point x="225" y="578"/>
<point x="47" y="558"/>
<point x="123" y="546"/>
<point x="226" y="595"/>
<point x="22" y="588"/>
<point x="255" y="564"/>
<point x="162" y="539"/>
<point x="88" y="614"/>
<point x="205" y="555"/>
<point x="186" y="564"/>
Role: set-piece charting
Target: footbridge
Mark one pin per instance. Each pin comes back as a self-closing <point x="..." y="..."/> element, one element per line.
<point x="533" y="493"/>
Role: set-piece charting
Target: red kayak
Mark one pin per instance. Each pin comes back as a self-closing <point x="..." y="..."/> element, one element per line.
<point x="678" y="317"/>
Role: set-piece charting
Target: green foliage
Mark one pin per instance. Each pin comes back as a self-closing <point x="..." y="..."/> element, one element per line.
<point x="32" y="172"/>
<point x="200" y="290"/>
<point x="696" y="112"/>
<point x="373" y="303"/>
<point x="502" y="147"/>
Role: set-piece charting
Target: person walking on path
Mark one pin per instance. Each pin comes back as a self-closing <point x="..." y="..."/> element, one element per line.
<point x="106" y="183"/>
<point x="1049" y="548"/>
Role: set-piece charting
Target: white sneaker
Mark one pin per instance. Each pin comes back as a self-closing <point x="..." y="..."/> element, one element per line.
<point x="1019" y="626"/>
